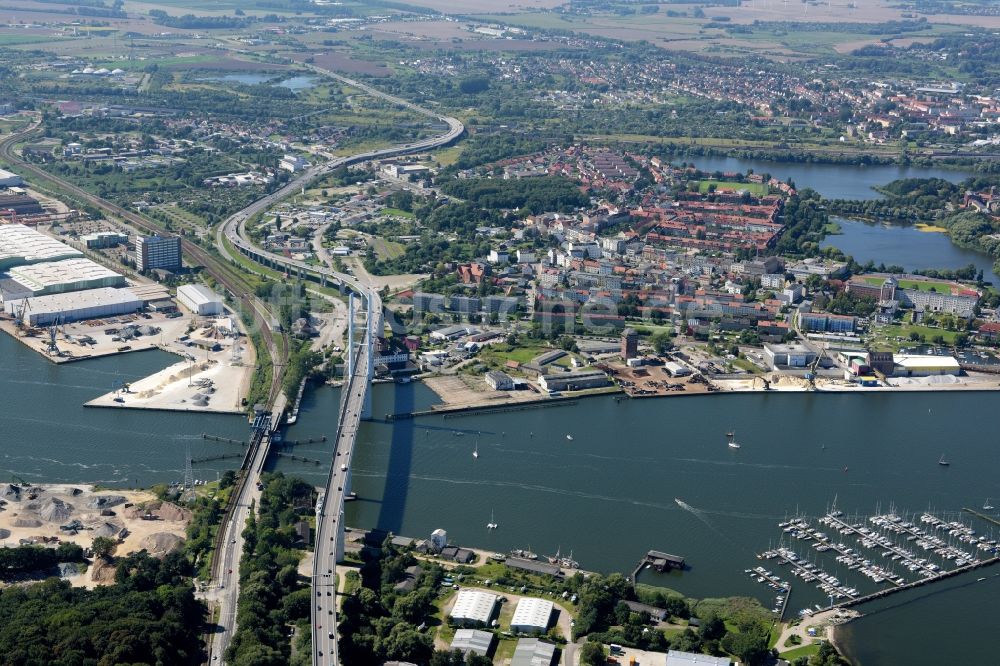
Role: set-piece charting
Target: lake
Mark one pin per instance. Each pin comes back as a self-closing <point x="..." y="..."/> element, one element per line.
<point x="905" y="246"/>
<point x="833" y="181"/>
<point x="295" y="83"/>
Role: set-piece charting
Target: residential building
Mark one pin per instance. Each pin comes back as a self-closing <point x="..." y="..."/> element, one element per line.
<point x="293" y="163"/>
<point x="473" y="608"/>
<point x="499" y="255"/>
<point x="829" y="323"/>
<point x="532" y="615"/>
<point x="772" y="280"/>
<point x="439" y="539"/>
<point x="465" y="305"/>
<point x="152" y="252"/>
<point x="428" y="303"/>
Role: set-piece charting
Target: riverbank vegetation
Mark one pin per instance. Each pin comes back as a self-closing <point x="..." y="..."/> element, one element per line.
<point x="382" y="622"/>
<point x="272" y="595"/>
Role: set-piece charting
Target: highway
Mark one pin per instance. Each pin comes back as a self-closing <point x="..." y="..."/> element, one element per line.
<point x="329" y="529"/>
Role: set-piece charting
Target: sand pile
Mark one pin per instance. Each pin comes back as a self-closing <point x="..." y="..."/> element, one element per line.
<point x="161" y="544"/>
<point x="162" y="510"/>
<point x="101" y="502"/>
<point x="27" y="522"/>
<point x="11" y="492"/>
<point x="102" y="571"/>
<point x="53" y="510"/>
<point x="107" y="529"/>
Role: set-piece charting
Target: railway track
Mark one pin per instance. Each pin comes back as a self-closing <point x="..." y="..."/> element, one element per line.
<point x="219" y="269"/>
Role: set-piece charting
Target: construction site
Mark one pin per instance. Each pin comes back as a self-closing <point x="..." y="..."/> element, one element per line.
<point x="52" y="514"/>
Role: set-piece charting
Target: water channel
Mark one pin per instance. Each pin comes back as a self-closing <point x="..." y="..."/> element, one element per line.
<point x="609" y="494"/>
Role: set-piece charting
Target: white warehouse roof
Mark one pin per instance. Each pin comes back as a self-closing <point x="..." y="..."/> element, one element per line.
<point x="532" y="614"/>
<point x="678" y="658"/>
<point x="926" y="362"/>
<point x="198" y="294"/>
<point x="474" y="606"/>
<point x="67" y="275"/>
<point x="472" y="640"/>
<point x="87" y="304"/>
<point x="21" y="245"/>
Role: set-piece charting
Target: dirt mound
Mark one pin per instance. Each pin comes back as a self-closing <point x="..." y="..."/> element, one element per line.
<point x="102" y="571"/>
<point x="4" y="533"/>
<point x="11" y="492"/>
<point x="55" y="510"/>
<point x="107" y="529"/>
<point x="27" y="522"/>
<point x="105" y="501"/>
<point x="162" y="510"/>
<point x="170" y="511"/>
<point x="161" y="544"/>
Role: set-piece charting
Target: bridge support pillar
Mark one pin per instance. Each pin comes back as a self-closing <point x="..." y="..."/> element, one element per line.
<point x="350" y="336"/>
<point x="338" y="553"/>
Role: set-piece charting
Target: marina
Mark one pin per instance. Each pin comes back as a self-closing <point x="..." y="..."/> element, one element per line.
<point x="883" y="548"/>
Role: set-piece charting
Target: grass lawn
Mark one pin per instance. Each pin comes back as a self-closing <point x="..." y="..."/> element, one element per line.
<point x="396" y="212"/>
<point x="744" y="364"/>
<point x="919" y="285"/>
<point x="904" y="330"/>
<point x="832" y="228"/>
<point x="757" y="189"/>
<point x="519" y="354"/>
<point x="803" y="651"/>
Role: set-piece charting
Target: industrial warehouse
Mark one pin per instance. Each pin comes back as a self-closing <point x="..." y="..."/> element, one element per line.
<point x="46" y="281"/>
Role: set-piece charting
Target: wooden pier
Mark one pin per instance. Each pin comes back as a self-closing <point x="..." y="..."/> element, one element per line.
<point x="981" y="516"/>
<point x="917" y="583"/>
<point x="297" y="458"/>
<point x="224" y="440"/>
<point x="221" y="456"/>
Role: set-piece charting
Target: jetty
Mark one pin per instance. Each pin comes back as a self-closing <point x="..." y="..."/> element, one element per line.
<point x="917" y="583"/>
<point x="658" y="560"/>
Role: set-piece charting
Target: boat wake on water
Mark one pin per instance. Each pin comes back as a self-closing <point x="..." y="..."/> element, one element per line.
<point x="700" y="515"/>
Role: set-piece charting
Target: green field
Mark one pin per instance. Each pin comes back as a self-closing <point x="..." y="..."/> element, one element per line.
<point x="803" y="651"/>
<point x="396" y="212"/>
<point x="756" y="189"/>
<point x="889" y="333"/>
<point x="919" y="285"/>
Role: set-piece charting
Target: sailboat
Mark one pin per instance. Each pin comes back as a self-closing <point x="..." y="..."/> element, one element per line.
<point x="942" y="461"/>
<point x="492" y="525"/>
<point x="987" y="506"/>
<point x="475" y="451"/>
<point x="733" y="444"/>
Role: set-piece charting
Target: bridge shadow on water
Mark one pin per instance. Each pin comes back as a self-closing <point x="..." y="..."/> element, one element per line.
<point x="397" y="476"/>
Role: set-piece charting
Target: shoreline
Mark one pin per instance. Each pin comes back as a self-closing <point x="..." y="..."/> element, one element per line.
<point x="620" y="395"/>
